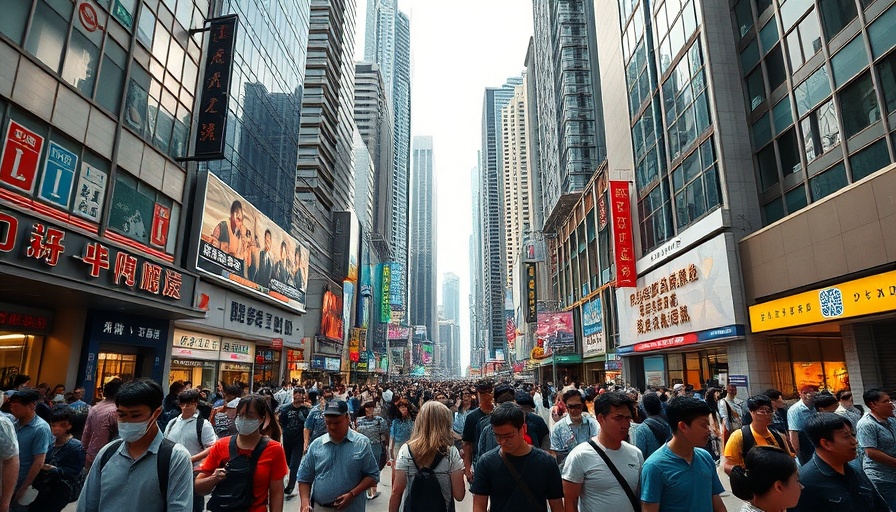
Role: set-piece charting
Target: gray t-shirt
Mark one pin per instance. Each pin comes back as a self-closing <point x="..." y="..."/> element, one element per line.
<point x="600" y="489"/>
<point x="9" y="444"/>
<point x="453" y="462"/>
<point x="872" y="433"/>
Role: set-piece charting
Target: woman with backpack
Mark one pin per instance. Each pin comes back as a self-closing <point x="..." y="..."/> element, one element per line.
<point x="428" y="463"/>
<point x="244" y="473"/>
<point x="223" y="415"/>
<point x="59" y="481"/>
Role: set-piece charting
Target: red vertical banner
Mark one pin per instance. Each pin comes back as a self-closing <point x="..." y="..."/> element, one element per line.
<point x="623" y="244"/>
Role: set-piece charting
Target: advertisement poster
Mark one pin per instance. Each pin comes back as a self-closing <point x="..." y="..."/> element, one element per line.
<point x="593" y="343"/>
<point x="91" y="193"/>
<point x="240" y="245"/>
<point x="555" y="332"/>
<point x="331" y="317"/>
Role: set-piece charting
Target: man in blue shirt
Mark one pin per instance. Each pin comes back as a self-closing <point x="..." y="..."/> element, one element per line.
<point x="876" y="434"/>
<point x="674" y="478"/>
<point x="797" y="416"/>
<point x="34" y="439"/>
<point x="340" y="463"/>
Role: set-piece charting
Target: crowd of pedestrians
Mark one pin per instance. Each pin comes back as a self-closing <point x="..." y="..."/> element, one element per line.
<point x="513" y="446"/>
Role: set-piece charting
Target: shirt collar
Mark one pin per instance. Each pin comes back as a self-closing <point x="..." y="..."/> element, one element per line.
<point x="350" y="437"/>
<point x="153" y="446"/>
<point x="568" y="419"/>
<point x="825" y="468"/>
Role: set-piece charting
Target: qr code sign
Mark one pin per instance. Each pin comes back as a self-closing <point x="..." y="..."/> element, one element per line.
<point x="831" y="301"/>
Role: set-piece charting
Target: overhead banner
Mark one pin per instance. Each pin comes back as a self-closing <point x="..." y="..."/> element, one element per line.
<point x="623" y="244"/>
<point x="555" y="332"/>
<point x="240" y="246"/>
<point x="215" y="92"/>
<point x="865" y="296"/>
<point x="594" y="341"/>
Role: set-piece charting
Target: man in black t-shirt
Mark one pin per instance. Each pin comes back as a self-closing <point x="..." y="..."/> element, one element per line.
<point x="515" y="476"/>
<point x="470" y="436"/>
<point x="292" y="421"/>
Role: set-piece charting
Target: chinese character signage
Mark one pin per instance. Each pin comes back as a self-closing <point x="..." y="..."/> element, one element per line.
<point x="866" y="296"/>
<point x="531" y="293"/>
<point x="240" y="246"/>
<point x="237" y="351"/>
<point x="91" y="193"/>
<point x="59" y="176"/>
<point x="34" y="244"/>
<point x="15" y="318"/>
<point x="386" y="284"/>
<point x="623" y="245"/>
<point x="195" y="345"/>
<point x="215" y="88"/>
<point x="688" y="294"/>
<point x="396" y="288"/>
<point x="117" y="328"/>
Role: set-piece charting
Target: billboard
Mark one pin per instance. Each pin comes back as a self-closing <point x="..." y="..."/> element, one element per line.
<point x="346" y="236"/>
<point x="555" y="332"/>
<point x="593" y="341"/>
<point x="397" y="332"/>
<point x="331" y="324"/>
<point x="385" y="284"/>
<point x="396" y="288"/>
<point x="242" y="247"/>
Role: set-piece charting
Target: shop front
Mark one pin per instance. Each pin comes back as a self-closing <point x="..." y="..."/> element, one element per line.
<point x="236" y="359"/>
<point x="296" y="364"/>
<point x="267" y="366"/>
<point x="816" y="335"/>
<point x="325" y="369"/>
<point x="22" y="335"/>
<point x="194" y="358"/>
<point x="679" y="323"/>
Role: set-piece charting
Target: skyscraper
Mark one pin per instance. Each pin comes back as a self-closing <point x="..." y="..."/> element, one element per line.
<point x="388" y="44"/>
<point x="571" y="126"/>
<point x="492" y="220"/>
<point x="517" y="189"/>
<point x="422" y="265"/>
<point x="451" y="315"/>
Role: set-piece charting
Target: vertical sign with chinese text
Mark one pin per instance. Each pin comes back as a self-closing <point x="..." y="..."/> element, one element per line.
<point x="626" y="274"/>
<point x="531" y="294"/>
<point x="21" y="155"/>
<point x="212" y="114"/>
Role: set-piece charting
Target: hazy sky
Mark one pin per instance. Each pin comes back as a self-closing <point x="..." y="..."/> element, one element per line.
<point x="458" y="49"/>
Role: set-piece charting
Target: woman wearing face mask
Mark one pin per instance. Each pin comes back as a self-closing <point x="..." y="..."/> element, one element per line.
<point x="254" y="421"/>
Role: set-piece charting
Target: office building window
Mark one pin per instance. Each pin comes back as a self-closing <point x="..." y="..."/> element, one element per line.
<point x="858" y="105"/>
<point x="849" y="61"/>
<point x="774" y="66"/>
<point x="882" y="32"/>
<point x="111" y="83"/>
<point x="773" y="211"/>
<point x="146" y="27"/>
<point x="820" y="131"/>
<point x="782" y="115"/>
<point x="15" y="18"/>
<point x="796" y="199"/>
<point x="836" y="14"/>
<point x="804" y="41"/>
<point x="49" y="27"/>
<point x="755" y="89"/>
<point x="887" y="72"/>
<point x="762" y="131"/>
<point x="83" y="58"/>
<point x="792" y="10"/>
<point x="814" y="89"/>
<point x="750" y="56"/>
<point x="762" y="6"/>
<point x="769" y="35"/>
<point x="683" y="93"/>
<point x="743" y="16"/>
<point x="828" y="182"/>
<point x="869" y="160"/>
<point x="768" y="167"/>
<point x="789" y="150"/>
<point x="655" y="214"/>
<point x="696" y="185"/>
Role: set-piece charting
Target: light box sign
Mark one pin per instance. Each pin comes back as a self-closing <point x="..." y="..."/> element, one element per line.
<point x="555" y="332"/>
<point x="623" y="244"/>
<point x="688" y="294"/>
<point x="385" y="287"/>
<point x="593" y="342"/>
<point x="865" y="296"/>
<point x="240" y="246"/>
<point x="531" y="293"/>
<point x="215" y="92"/>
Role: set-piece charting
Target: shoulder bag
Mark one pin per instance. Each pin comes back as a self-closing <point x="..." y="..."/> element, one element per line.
<point x="636" y="504"/>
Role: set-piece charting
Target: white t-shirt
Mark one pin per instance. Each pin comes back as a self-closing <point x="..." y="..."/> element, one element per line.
<point x="183" y="431"/>
<point x="453" y="462"/>
<point x="600" y="489"/>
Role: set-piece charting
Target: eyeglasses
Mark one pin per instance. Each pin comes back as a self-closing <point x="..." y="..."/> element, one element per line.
<point x="574" y="406"/>
<point x="762" y="411"/>
<point x="505" y="437"/>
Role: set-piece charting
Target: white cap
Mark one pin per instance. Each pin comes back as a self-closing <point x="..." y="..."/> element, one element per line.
<point x="677" y="387"/>
<point x="387" y="395"/>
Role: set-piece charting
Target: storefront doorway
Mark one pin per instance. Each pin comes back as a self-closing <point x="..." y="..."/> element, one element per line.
<point x="14" y="350"/>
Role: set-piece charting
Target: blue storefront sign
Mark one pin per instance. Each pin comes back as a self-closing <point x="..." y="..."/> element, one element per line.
<point x="59" y="175"/>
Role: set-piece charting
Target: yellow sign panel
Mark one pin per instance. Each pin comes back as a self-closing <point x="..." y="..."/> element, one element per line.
<point x="866" y="296"/>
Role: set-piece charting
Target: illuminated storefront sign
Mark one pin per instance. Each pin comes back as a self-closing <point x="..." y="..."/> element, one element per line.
<point x="623" y="244"/>
<point x="531" y="294"/>
<point x="215" y="92"/>
<point x="866" y="296"/>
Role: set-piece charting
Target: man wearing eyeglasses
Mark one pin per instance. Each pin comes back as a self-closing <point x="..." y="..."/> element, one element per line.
<point x="876" y="433"/>
<point x="756" y="433"/>
<point x="572" y="429"/>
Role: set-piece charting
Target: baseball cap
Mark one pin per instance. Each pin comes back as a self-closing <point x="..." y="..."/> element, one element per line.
<point x="336" y="408"/>
<point x="677" y="387"/>
<point x="25" y="396"/>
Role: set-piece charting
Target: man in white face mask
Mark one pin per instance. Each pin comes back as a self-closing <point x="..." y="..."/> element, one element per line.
<point x="141" y="469"/>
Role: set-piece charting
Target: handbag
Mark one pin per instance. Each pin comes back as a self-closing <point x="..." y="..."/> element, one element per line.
<point x="636" y="504"/>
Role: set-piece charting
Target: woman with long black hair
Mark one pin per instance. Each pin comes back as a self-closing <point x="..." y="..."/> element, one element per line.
<point x="768" y="481"/>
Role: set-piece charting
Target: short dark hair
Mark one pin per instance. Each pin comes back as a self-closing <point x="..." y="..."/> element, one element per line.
<point x="823" y="425"/>
<point x="20" y="380"/>
<point x="652" y="404"/>
<point x="299" y="390"/>
<point x="844" y="394"/>
<point x="571" y="393"/>
<point x="508" y="412"/>
<point x="604" y="403"/>
<point x="872" y="395"/>
<point x="234" y="390"/>
<point x="110" y="389"/>
<point x="773" y="393"/>
<point x="763" y="466"/>
<point x="188" y="396"/>
<point x="685" y="409"/>
<point x="313" y="396"/>
<point x="61" y="414"/>
<point x="757" y="401"/>
<point x="140" y="392"/>
<point x="176" y="387"/>
<point x="825" y="399"/>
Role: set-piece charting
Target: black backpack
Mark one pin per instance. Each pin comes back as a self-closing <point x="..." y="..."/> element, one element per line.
<point x="426" y="491"/>
<point x="163" y="464"/>
<point x="234" y="493"/>
<point x="661" y="432"/>
<point x="750" y="441"/>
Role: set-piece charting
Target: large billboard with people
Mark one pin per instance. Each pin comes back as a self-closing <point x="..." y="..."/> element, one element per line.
<point x="241" y="246"/>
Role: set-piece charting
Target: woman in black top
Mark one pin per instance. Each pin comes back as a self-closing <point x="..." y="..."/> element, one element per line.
<point x="60" y="476"/>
